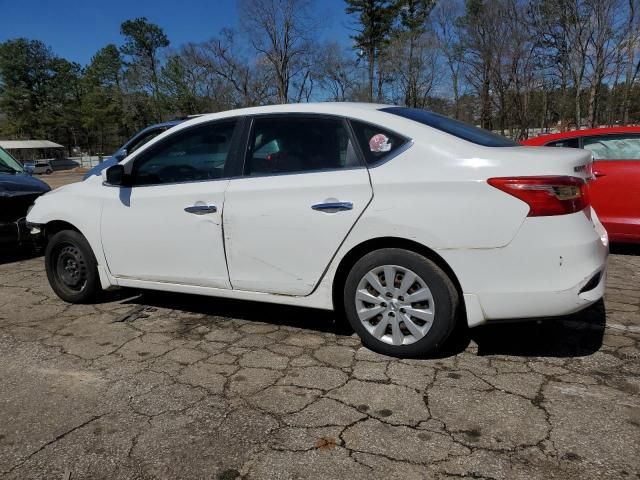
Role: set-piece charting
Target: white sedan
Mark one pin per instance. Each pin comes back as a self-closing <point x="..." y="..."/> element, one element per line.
<point x="402" y="220"/>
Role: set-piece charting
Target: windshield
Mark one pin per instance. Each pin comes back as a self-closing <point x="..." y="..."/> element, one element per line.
<point x="457" y="128"/>
<point x="8" y="164"/>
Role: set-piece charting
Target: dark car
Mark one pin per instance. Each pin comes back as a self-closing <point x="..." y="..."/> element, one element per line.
<point x="135" y="142"/>
<point x="18" y="191"/>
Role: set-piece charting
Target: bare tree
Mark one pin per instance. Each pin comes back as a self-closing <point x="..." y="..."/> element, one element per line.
<point x="335" y="72"/>
<point x="448" y="36"/>
<point x="412" y="68"/>
<point x="629" y="50"/>
<point x="480" y="40"/>
<point x="602" y="47"/>
<point x="565" y="31"/>
<point x="249" y="83"/>
<point x="516" y="72"/>
<point x="281" y="31"/>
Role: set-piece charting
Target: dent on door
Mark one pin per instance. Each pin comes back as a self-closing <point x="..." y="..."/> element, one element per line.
<point x="282" y="232"/>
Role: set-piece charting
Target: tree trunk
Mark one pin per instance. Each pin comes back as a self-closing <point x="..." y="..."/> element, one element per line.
<point x="372" y="61"/>
<point x="630" y="47"/>
<point x="485" y="115"/>
<point x="380" y="81"/>
<point x="578" y="112"/>
<point x="283" y="94"/>
<point x="543" y="120"/>
<point x="155" y="89"/>
<point x="456" y="92"/>
<point x="412" y="99"/>
<point x="593" y="93"/>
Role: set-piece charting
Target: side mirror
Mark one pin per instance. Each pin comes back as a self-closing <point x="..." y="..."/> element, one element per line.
<point x="113" y="175"/>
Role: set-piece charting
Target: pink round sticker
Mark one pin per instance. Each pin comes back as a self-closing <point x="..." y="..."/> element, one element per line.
<point x="379" y="143"/>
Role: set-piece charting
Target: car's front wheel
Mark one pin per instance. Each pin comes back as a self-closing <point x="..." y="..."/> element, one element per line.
<point x="71" y="267"/>
<point x="400" y="303"/>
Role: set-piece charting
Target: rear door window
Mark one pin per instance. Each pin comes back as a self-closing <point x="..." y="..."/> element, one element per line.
<point x="296" y="144"/>
<point x="613" y="147"/>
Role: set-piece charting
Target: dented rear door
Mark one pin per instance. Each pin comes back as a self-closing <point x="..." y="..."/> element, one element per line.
<point x="302" y="191"/>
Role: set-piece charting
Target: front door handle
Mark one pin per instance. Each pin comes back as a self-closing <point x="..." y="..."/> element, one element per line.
<point x="598" y="174"/>
<point x="201" y="209"/>
<point x="331" y="207"/>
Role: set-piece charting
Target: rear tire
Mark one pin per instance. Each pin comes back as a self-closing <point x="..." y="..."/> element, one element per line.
<point x="410" y="315"/>
<point x="71" y="267"/>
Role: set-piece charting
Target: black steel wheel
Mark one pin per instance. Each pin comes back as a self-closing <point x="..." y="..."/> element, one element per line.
<point x="71" y="267"/>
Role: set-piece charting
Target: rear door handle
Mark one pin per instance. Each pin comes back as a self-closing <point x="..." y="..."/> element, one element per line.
<point x="201" y="209"/>
<point x="331" y="207"/>
<point x="598" y="174"/>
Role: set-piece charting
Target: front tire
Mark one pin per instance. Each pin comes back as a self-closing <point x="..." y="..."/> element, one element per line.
<point x="71" y="267"/>
<point x="400" y="303"/>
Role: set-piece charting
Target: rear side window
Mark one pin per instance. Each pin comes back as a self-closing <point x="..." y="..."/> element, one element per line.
<point x="453" y="127"/>
<point x="376" y="142"/>
<point x="566" y="143"/>
<point x="290" y="144"/>
<point x="613" y="147"/>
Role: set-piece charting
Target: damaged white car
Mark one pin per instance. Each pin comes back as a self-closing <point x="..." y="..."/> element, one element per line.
<point x="402" y="220"/>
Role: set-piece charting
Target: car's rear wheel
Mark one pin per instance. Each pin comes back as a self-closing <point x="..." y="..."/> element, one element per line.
<point x="400" y="303"/>
<point x="71" y="267"/>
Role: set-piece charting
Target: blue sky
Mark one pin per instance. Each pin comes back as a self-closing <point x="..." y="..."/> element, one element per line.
<point x="76" y="29"/>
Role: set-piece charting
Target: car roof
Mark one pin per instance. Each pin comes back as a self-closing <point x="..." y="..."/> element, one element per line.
<point x="372" y="113"/>
<point x="363" y="111"/>
<point x="544" y="139"/>
<point x="336" y="108"/>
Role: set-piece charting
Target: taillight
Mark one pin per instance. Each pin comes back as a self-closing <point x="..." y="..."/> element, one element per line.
<point x="546" y="195"/>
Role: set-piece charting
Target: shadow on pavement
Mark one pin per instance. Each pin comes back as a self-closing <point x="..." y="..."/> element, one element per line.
<point x="625" y="249"/>
<point x="312" y="319"/>
<point x="12" y="256"/>
<point x="575" y="335"/>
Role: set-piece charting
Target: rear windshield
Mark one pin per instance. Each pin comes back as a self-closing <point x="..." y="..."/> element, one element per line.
<point x="453" y="127"/>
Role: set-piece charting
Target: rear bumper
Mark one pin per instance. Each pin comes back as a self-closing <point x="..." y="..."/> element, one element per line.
<point x="554" y="266"/>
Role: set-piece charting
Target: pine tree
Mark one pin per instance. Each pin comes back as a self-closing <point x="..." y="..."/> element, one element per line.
<point x="143" y="42"/>
<point x="375" y="22"/>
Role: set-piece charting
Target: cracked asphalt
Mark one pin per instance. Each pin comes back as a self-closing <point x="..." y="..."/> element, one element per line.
<point x="155" y="385"/>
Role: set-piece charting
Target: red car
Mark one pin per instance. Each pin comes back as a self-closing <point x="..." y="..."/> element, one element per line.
<point x="615" y="193"/>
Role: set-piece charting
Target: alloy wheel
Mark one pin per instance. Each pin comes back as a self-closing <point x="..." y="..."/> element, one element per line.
<point x="395" y="305"/>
